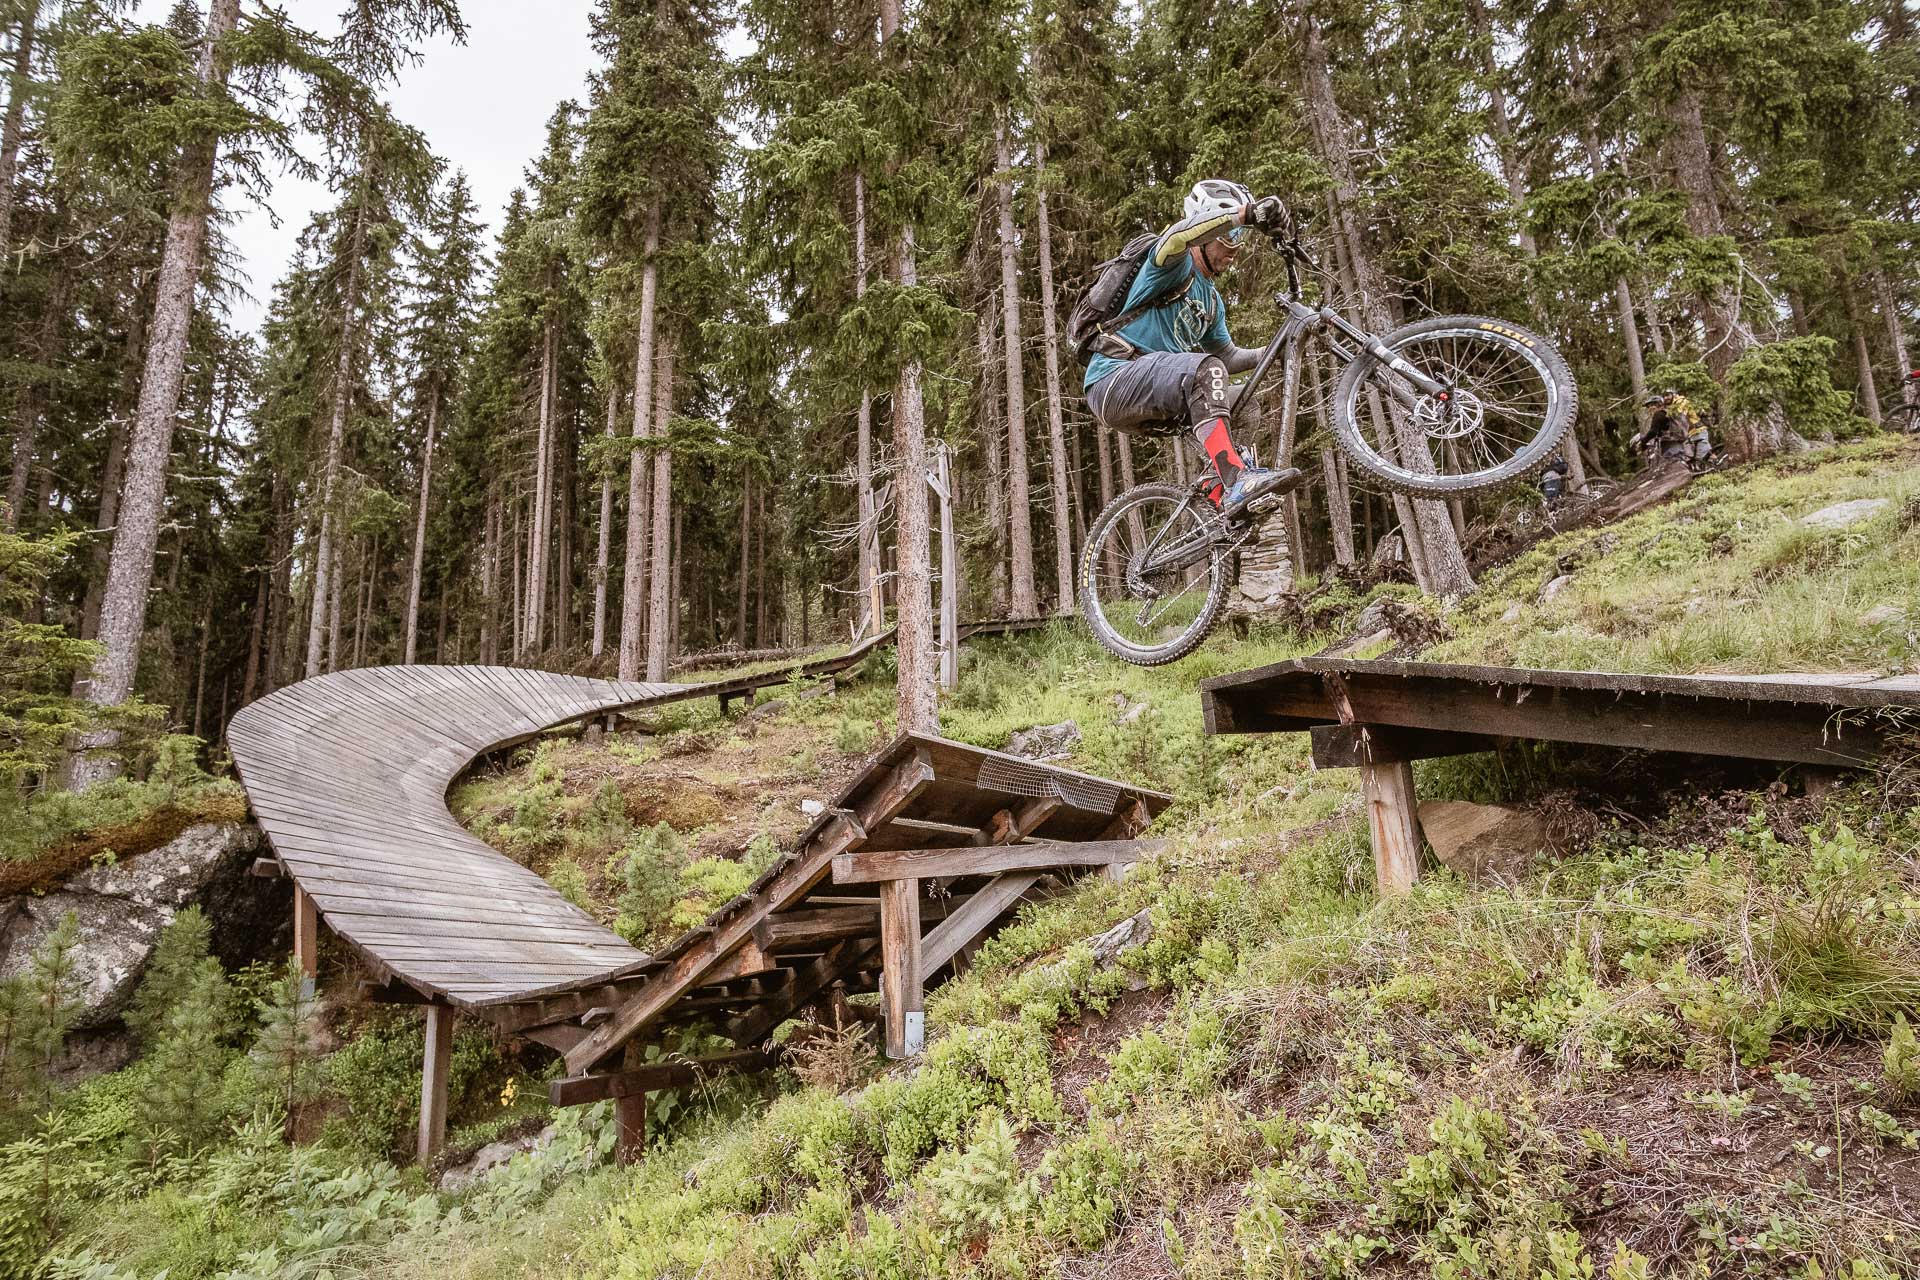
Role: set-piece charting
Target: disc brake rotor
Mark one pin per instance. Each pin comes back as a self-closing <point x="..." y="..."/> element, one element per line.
<point x="1459" y="414"/>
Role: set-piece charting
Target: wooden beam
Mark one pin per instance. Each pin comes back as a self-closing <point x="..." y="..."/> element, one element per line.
<point x="267" y="868"/>
<point x="901" y="993"/>
<point x="306" y="937"/>
<point x="1349" y="746"/>
<point x="946" y="939"/>
<point x="807" y="983"/>
<point x="630" y="1118"/>
<point x="433" y="1082"/>
<point x="1394" y="824"/>
<point x="872" y="868"/>
<point x="392" y="992"/>
<point x="902" y="784"/>
<point x="560" y="1036"/>
<point x="643" y="1078"/>
<point x="807" y="928"/>
<point x="749" y="958"/>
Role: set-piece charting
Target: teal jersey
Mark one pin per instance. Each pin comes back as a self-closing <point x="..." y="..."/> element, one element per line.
<point x="1196" y="319"/>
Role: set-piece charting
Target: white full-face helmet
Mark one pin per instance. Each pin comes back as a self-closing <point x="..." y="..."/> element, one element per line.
<point x="1216" y="195"/>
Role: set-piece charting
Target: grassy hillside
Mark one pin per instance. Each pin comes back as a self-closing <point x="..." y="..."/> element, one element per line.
<point x="1679" y="1045"/>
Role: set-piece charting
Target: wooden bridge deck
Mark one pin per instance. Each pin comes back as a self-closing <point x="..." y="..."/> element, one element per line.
<point x="348" y="775"/>
<point x="1381" y="716"/>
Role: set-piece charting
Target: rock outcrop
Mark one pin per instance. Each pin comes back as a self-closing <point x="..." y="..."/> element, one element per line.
<point x="122" y="907"/>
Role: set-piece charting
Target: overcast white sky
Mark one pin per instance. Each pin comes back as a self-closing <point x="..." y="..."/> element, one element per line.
<point x="483" y="107"/>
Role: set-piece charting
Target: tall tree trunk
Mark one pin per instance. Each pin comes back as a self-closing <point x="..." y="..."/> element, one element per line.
<point x="868" y="532"/>
<point x="337" y="426"/>
<point x="16" y="120"/>
<point x="746" y="561"/>
<point x="996" y="469"/>
<point x="604" y="549"/>
<point x="1869" y="396"/>
<point x="280" y="605"/>
<point x="1056" y="426"/>
<point x="333" y="606"/>
<point x="913" y="579"/>
<point x="1026" y="600"/>
<point x="1727" y="337"/>
<point x="1446" y="564"/>
<point x="540" y="531"/>
<point x="639" y="466"/>
<point x="254" y="637"/>
<point x="660" y="573"/>
<point x="124" y="608"/>
<point x="33" y="396"/>
<point x="365" y="600"/>
<point x="420" y="525"/>
<point x="1501" y="127"/>
<point x="490" y="582"/>
<point x="1896" y="330"/>
<point x="126" y="401"/>
<point x="519" y="562"/>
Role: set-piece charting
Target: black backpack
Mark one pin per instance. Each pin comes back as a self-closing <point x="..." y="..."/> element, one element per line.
<point x="1094" y="326"/>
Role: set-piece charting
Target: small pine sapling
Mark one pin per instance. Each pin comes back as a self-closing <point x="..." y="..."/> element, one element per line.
<point x="51" y="1004"/>
<point x="1900" y="1063"/>
<point x="177" y="964"/>
<point x="286" y="1052"/>
<point x="180" y="1109"/>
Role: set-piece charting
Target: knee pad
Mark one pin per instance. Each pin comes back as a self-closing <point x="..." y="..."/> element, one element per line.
<point x="1208" y="397"/>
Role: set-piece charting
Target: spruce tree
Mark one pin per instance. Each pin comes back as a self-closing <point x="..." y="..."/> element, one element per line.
<point x="285" y="1053"/>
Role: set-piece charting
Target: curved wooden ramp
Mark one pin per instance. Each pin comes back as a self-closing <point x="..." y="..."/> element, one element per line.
<point x="348" y="775"/>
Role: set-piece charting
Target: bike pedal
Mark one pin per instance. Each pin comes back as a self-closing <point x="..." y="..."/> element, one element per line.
<point x="1262" y="506"/>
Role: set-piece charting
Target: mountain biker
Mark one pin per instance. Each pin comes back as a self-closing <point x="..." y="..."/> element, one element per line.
<point x="1678" y="428"/>
<point x="1172" y="361"/>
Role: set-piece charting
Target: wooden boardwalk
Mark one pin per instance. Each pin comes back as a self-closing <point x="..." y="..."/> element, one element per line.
<point x="1381" y="716"/>
<point x="348" y="775"/>
<point x="931" y="847"/>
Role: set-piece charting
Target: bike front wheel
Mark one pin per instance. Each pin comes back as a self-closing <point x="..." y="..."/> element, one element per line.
<point x="1506" y="401"/>
<point x="1153" y="574"/>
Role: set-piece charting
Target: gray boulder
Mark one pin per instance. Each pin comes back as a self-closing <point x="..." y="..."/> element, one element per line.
<point x="1482" y="841"/>
<point x="122" y="908"/>
<point x="1044" y="741"/>
<point x="1842" y="515"/>
<point x="491" y="1157"/>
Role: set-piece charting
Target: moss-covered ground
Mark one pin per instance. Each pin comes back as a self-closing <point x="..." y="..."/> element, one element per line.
<point x="1681" y="1043"/>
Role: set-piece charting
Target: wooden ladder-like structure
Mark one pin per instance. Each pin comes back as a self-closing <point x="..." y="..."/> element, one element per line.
<point x="927" y="850"/>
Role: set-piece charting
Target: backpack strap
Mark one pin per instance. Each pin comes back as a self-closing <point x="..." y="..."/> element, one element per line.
<point x="1112" y="328"/>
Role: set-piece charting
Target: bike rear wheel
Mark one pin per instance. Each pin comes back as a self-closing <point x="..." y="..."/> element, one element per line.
<point x="1145" y="600"/>
<point x="1508" y="401"/>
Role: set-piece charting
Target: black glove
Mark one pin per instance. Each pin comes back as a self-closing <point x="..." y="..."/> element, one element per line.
<point x="1269" y="214"/>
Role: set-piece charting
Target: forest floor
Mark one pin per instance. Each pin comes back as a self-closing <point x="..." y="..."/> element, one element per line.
<point x="1680" y="1043"/>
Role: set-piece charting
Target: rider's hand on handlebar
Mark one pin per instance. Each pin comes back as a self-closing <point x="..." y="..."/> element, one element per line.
<point x="1269" y="214"/>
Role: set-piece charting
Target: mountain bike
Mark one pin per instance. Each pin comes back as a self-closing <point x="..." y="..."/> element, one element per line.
<point x="1440" y="408"/>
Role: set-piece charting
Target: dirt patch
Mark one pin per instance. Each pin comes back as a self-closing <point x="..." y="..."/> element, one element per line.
<point x="1081" y="1049"/>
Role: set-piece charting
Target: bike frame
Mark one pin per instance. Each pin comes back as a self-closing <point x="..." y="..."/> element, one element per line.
<point x="1303" y="322"/>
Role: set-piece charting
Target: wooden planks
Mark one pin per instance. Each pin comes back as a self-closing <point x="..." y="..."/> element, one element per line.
<point x="348" y="773"/>
<point x="926" y="864"/>
<point x="1841" y="720"/>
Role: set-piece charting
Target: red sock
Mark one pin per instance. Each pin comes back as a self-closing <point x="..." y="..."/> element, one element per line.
<point x="1225" y="458"/>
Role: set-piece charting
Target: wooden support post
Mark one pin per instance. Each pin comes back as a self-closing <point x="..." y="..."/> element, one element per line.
<point x="901" y="998"/>
<point x="949" y="577"/>
<point x="1393" y="822"/>
<point x="433" y="1082"/>
<point x="306" y="939"/>
<point x="630" y="1117"/>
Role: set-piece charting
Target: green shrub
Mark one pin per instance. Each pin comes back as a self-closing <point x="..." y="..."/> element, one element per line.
<point x="376" y="1077"/>
<point x="648" y="869"/>
<point x="853" y="737"/>
<point x="1900" y="1063"/>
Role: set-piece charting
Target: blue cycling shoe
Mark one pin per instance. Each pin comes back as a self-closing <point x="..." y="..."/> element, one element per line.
<point x="1256" y="483"/>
